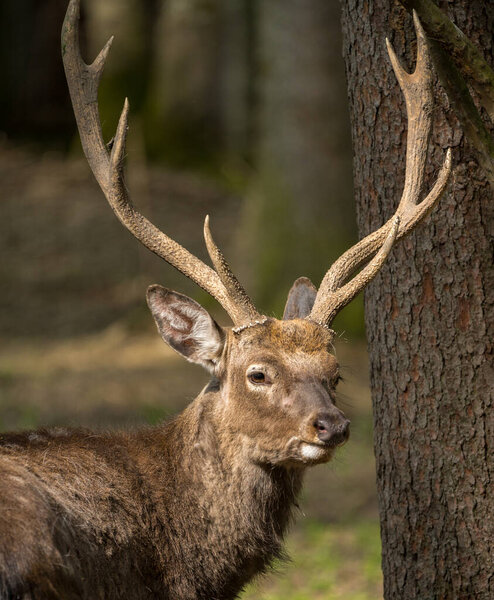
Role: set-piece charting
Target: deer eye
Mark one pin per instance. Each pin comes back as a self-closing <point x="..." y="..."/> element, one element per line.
<point x="257" y="377"/>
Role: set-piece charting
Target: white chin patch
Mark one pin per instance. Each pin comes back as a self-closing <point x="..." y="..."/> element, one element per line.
<point x="312" y="452"/>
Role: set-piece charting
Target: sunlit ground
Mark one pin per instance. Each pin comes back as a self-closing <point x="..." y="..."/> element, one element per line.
<point x="339" y="561"/>
<point x="115" y="379"/>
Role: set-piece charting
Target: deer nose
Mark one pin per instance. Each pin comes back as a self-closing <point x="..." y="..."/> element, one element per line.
<point x="330" y="430"/>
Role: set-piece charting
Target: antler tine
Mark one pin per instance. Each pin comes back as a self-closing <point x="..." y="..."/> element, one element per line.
<point x="417" y="90"/>
<point x="232" y="284"/>
<point x="345" y="294"/>
<point x="83" y="81"/>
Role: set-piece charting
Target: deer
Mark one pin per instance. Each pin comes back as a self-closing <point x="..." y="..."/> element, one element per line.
<point x="195" y="507"/>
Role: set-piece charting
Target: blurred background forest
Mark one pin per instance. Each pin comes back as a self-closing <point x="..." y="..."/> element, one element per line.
<point x="238" y="110"/>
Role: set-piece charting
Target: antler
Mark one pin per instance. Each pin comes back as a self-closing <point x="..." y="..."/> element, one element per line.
<point x="417" y="89"/>
<point x="83" y="81"/>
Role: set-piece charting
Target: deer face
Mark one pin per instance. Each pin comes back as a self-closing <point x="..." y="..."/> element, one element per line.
<point x="280" y="381"/>
<point x="276" y="380"/>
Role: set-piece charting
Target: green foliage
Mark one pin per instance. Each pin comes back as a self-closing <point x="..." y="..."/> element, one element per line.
<point x="24" y="416"/>
<point x="350" y="321"/>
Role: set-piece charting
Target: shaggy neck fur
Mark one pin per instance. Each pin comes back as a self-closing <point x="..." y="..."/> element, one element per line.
<point x="241" y="508"/>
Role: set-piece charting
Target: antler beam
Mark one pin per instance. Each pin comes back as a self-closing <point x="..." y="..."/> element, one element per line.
<point x="417" y="90"/>
<point x="83" y="81"/>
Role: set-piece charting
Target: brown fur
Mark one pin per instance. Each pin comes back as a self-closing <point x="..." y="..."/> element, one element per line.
<point x="191" y="509"/>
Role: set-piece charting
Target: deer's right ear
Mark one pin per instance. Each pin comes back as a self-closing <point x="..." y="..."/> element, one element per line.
<point x="186" y="326"/>
<point x="300" y="299"/>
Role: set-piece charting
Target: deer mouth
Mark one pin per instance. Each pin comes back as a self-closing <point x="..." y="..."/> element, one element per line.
<point x="311" y="451"/>
<point x="321" y="451"/>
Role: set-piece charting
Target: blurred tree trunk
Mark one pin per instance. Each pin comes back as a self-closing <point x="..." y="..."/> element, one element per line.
<point x="34" y="102"/>
<point x="430" y="324"/>
<point x="184" y="116"/>
<point x="238" y="70"/>
<point x="129" y="66"/>
<point x="300" y="211"/>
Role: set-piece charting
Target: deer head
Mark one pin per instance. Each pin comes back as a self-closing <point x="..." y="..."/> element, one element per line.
<point x="274" y="379"/>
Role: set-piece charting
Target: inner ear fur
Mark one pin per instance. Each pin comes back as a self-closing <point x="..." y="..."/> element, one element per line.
<point x="301" y="298"/>
<point x="186" y="326"/>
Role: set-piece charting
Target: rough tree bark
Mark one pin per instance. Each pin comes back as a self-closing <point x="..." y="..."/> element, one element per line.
<point x="430" y="324"/>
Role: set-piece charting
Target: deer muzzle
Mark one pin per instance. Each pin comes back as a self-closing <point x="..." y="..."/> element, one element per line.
<point x="332" y="429"/>
<point x="323" y="424"/>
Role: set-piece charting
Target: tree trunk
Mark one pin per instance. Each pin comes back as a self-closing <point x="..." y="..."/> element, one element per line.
<point x="237" y="94"/>
<point x="129" y="66"/>
<point x="184" y="104"/>
<point x="430" y="324"/>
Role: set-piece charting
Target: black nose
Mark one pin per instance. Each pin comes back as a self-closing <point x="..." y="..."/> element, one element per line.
<point x="332" y="431"/>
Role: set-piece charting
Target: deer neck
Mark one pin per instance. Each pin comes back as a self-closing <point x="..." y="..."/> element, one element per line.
<point x="241" y="503"/>
<point x="223" y="460"/>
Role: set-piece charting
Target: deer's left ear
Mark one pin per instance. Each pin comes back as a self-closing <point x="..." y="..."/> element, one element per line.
<point x="300" y="299"/>
<point x="186" y="326"/>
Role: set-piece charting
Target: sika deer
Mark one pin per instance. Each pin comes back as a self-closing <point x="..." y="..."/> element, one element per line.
<point x="193" y="508"/>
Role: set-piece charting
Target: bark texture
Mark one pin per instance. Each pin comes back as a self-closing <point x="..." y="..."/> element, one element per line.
<point x="430" y="323"/>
